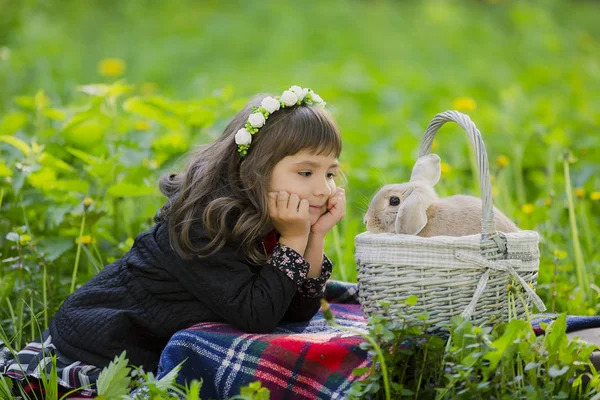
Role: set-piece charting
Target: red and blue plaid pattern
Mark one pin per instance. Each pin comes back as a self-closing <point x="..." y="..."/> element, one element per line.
<point x="310" y="360"/>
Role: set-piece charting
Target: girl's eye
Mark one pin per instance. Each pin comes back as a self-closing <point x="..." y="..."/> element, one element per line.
<point x="306" y="174"/>
<point x="330" y="175"/>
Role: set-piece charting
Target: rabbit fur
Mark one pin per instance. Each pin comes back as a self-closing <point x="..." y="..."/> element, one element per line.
<point x="414" y="208"/>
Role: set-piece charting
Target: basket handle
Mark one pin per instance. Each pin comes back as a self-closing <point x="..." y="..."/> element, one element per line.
<point x="491" y="242"/>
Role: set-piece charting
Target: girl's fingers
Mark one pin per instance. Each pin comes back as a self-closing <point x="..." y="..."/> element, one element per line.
<point x="272" y="203"/>
<point x="336" y="199"/>
<point x="304" y="207"/>
<point x="332" y="202"/>
<point x="338" y="205"/>
<point x="293" y="203"/>
<point x="282" y="200"/>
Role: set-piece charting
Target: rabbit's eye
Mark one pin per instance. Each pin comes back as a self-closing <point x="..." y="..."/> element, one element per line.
<point x="394" y="201"/>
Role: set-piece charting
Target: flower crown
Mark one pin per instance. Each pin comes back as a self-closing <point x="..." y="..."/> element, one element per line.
<point x="291" y="97"/>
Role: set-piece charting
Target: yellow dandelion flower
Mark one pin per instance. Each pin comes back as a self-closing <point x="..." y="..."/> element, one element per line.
<point x="591" y="311"/>
<point x="142" y="126"/>
<point x="527" y="208"/>
<point x="560" y="254"/>
<point x="445" y="168"/>
<point x="595" y="196"/>
<point x="112" y="67"/>
<point x="495" y="191"/>
<point x="88" y="201"/>
<point x="548" y="201"/>
<point x="86" y="239"/>
<point x="464" y="104"/>
<point x="580" y="192"/>
<point x="502" y="161"/>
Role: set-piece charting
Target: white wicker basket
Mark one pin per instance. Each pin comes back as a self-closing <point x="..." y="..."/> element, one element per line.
<point x="465" y="275"/>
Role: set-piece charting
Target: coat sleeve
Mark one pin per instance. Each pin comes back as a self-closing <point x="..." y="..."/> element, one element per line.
<point x="252" y="299"/>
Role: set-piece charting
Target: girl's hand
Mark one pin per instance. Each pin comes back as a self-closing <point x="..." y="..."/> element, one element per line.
<point x="290" y="216"/>
<point x="336" y="210"/>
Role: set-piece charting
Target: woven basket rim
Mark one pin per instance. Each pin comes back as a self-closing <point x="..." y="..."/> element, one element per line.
<point x="473" y="241"/>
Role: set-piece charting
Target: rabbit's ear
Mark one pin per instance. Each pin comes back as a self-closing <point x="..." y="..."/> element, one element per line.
<point x="427" y="169"/>
<point x="412" y="214"/>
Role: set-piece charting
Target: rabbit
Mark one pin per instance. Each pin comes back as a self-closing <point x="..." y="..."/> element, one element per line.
<point x="414" y="208"/>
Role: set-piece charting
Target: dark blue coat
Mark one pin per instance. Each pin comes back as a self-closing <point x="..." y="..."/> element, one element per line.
<point x="140" y="300"/>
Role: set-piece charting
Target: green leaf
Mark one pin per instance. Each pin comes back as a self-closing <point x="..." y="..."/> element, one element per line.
<point x="201" y="117"/>
<point x="83" y="156"/>
<point x="12" y="122"/>
<point x="73" y="185"/>
<point x="48" y="159"/>
<point x="125" y="189"/>
<point x="87" y="133"/>
<point x="55" y="114"/>
<point x="193" y="392"/>
<point x="16" y="142"/>
<point x="411" y="300"/>
<point x="18" y="180"/>
<point x="26" y="102"/>
<point x="360" y="371"/>
<point x="504" y="342"/>
<point x="54" y="247"/>
<point x="166" y="382"/>
<point x="255" y="391"/>
<point x="114" y="380"/>
<point x="556" y="336"/>
<point x="172" y="143"/>
<point x="144" y="108"/>
<point x="4" y="170"/>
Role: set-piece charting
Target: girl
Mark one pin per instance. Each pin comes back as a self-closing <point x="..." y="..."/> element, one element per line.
<point x="239" y="241"/>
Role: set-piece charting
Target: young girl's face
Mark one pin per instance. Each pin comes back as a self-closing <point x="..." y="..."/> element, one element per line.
<point x="308" y="175"/>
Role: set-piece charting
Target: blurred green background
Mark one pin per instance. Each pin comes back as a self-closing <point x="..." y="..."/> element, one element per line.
<point x="527" y="72"/>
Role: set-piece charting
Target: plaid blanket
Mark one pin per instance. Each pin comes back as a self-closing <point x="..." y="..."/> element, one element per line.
<point x="297" y="361"/>
<point x="574" y="322"/>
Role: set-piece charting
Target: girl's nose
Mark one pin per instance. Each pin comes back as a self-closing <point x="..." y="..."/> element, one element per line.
<point x="323" y="188"/>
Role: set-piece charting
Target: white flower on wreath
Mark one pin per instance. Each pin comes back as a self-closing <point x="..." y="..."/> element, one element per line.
<point x="299" y="92"/>
<point x="289" y="98"/>
<point x="243" y="137"/>
<point x="256" y="119"/>
<point x="316" y="98"/>
<point x="270" y="104"/>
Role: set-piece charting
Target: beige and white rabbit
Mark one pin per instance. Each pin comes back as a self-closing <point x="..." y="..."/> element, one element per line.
<point x="414" y="208"/>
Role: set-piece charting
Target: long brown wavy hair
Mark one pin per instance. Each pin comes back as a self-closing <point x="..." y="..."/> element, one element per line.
<point x="225" y="195"/>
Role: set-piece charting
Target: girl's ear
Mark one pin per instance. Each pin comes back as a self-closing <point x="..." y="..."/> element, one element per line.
<point x="412" y="214"/>
<point x="427" y="169"/>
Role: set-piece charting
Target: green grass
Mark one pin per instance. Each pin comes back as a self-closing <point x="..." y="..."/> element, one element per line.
<point x="527" y="73"/>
